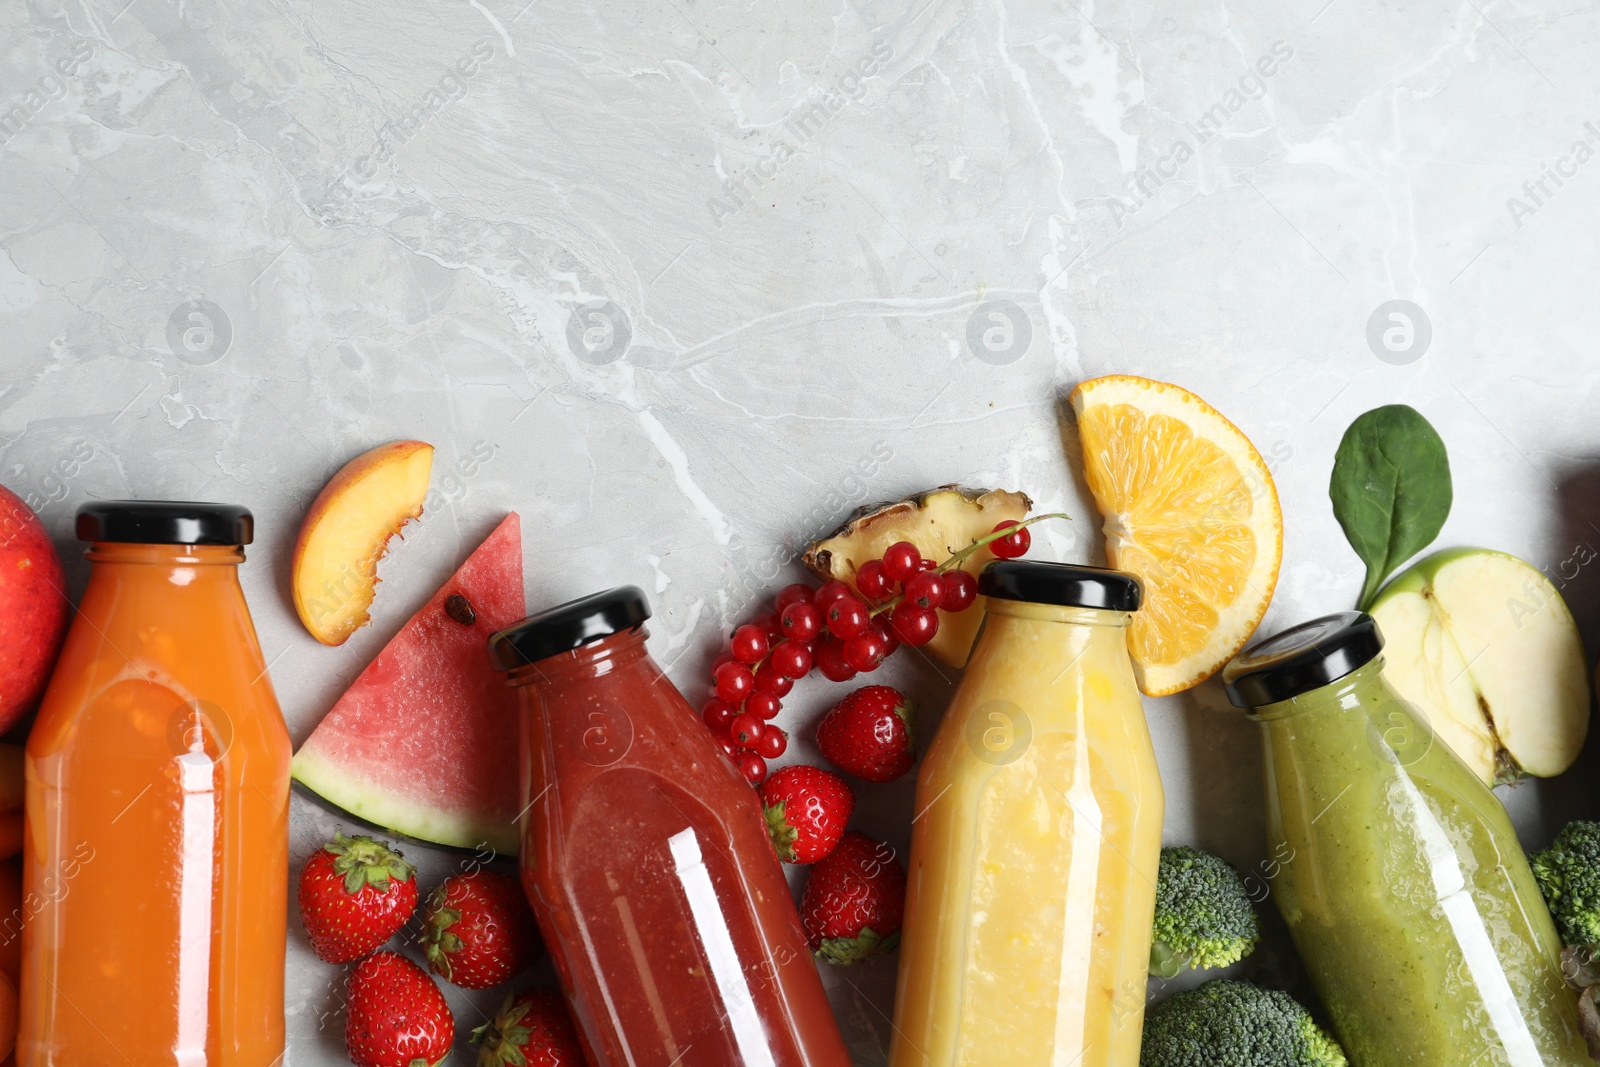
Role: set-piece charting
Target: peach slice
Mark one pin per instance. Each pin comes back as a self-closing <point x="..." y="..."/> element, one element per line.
<point x="347" y="532"/>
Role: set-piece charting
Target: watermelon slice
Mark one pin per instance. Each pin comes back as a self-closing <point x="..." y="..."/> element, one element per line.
<point x="424" y="744"/>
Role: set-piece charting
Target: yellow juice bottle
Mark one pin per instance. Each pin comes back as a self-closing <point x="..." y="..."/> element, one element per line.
<point x="1036" y="839"/>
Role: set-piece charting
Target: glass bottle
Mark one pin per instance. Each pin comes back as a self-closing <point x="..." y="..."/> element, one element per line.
<point x="156" y="858"/>
<point x="1037" y="838"/>
<point x="1401" y="878"/>
<point x="646" y="858"/>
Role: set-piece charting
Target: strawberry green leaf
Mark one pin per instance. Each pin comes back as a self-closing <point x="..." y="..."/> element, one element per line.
<point x="363" y="862"/>
<point x="783" y="835"/>
<point x="848" y="950"/>
<point x="905" y="711"/>
<point x="437" y="939"/>
<point x="503" y="1038"/>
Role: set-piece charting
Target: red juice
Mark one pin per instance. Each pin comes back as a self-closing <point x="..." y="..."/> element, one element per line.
<point x="646" y="859"/>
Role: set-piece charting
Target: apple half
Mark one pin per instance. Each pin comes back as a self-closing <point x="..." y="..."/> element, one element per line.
<point x="347" y="531"/>
<point x="1485" y="646"/>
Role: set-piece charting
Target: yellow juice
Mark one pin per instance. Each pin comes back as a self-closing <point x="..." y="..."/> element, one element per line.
<point x="1034" y="852"/>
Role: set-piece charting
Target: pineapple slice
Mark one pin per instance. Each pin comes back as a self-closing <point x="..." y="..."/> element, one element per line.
<point x="940" y="522"/>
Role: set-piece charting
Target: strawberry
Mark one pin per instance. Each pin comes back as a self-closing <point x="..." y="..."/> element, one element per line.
<point x="534" y="1029"/>
<point x="807" y="808"/>
<point x="853" y="901"/>
<point x="355" y="894"/>
<point x="869" y="734"/>
<point x="478" y="930"/>
<point x="396" y="1016"/>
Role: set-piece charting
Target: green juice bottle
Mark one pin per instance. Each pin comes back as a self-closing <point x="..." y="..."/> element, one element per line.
<point x="1401" y="877"/>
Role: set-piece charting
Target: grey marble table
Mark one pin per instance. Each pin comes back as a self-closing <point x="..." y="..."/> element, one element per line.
<point x="683" y="282"/>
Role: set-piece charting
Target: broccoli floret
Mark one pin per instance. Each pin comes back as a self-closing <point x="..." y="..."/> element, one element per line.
<point x="1235" y="1024"/>
<point x="1568" y="873"/>
<point x="1204" y="917"/>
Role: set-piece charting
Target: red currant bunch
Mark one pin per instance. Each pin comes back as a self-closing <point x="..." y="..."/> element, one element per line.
<point x="839" y="631"/>
<point x="764" y="658"/>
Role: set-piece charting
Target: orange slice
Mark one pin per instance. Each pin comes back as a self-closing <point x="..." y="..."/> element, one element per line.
<point x="1190" y="509"/>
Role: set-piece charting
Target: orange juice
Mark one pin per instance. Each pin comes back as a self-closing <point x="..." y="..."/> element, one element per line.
<point x="156" y="849"/>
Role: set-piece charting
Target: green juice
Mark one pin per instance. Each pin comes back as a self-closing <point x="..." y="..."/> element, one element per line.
<point x="1406" y="890"/>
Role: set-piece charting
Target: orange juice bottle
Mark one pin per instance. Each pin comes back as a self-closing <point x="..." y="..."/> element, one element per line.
<point x="156" y="851"/>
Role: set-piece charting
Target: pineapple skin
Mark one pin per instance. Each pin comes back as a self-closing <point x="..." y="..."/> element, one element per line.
<point x="940" y="522"/>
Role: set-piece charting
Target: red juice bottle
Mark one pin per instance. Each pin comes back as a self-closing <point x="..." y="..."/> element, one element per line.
<point x="646" y="858"/>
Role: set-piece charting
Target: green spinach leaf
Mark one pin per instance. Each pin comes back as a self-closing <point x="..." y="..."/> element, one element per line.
<point x="1390" y="489"/>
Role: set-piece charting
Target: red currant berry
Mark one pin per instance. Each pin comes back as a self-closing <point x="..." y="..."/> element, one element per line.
<point x="873" y="582"/>
<point x="865" y="651"/>
<point x="718" y="713"/>
<point x="767" y="623"/>
<point x="914" y="625"/>
<point x="791" y="594"/>
<point x="926" y="564"/>
<point x="1012" y="544"/>
<point x="900" y="562"/>
<point x="791" y="659"/>
<point x="749" y="644"/>
<point x="753" y="767"/>
<point x="734" y="682"/>
<point x="800" y="622"/>
<point x="925" y="590"/>
<point x="828" y="592"/>
<point x="722" y="657"/>
<point x="881" y="627"/>
<point x="764" y="704"/>
<point x="729" y="747"/>
<point x="847" y="616"/>
<point x="774" y="743"/>
<point x="831" y="661"/>
<point x="771" y="680"/>
<point x="746" y="729"/>
<point x="960" y="591"/>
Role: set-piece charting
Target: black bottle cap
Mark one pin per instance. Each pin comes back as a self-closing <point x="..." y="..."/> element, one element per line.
<point x="165" y="522"/>
<point x="1302" y="658"/>
<point x="1065" y="584"/>
<point x="568" y="626"/>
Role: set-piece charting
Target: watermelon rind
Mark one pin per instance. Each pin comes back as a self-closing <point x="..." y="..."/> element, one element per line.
<point x="346" y="794"/>
<point x="422" y="744"/>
